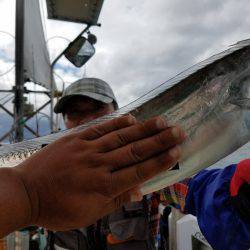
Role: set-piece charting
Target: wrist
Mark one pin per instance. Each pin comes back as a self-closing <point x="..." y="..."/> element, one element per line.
<point x="25" y="176"/>
<point x="14" y="203"/>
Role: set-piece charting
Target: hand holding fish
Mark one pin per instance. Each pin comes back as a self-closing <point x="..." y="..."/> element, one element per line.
<point x="94" y="172"/>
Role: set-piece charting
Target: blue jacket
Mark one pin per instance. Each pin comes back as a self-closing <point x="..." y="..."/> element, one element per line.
<point x="210" y="201"/>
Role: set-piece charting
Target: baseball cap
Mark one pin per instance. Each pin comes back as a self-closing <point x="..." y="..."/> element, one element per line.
<point x="93" y="88"/>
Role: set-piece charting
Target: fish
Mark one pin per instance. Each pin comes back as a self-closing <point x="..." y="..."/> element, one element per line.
<point x="210" y="101"/>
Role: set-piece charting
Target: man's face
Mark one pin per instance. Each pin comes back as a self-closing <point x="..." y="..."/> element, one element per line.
<point x="80" y="110"/>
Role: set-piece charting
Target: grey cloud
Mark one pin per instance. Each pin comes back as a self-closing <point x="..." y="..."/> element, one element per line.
<point x="144" y="43"/>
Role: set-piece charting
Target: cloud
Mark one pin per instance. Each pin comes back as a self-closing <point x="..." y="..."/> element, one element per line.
<point x="143" y="43"/>
<point x="7" y="11"/>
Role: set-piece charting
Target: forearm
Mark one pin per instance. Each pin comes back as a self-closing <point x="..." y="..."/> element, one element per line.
<point x="14" y="202"/>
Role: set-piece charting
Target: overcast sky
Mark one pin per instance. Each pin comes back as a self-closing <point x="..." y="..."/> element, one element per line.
<point x="141" y="43"/>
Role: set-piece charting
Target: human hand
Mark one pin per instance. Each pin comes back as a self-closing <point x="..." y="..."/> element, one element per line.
<point x="85" y="175"/>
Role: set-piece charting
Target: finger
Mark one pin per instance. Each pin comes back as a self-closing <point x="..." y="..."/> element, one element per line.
<point x="99" y="130"/>
<point x="128" y="178"/>
<point x="144" y="149"/>
<point x="126" y="135"/>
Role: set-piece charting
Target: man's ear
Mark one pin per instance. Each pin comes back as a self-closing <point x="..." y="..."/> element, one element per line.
<point x="113" y="106"/>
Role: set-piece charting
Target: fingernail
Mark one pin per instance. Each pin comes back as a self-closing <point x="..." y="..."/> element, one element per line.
<point x="161" y="123"/>
<point x="175" y="132"/>
<point x="175" y="152"/>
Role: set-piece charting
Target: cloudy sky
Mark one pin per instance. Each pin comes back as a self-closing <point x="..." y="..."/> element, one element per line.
<point x="143" y="43"/>
<point x="140" y="44"/>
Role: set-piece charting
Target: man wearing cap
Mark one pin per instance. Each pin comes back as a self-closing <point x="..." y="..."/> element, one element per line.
<point x="86" y="100"/>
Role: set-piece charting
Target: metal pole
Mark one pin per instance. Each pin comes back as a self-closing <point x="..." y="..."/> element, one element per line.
<point x="6" y="91"/>
<point x="24" y="121"/>
<point x="19" y="88"/>
<point x="62" y="53"/>
<point x="52" y="94"/>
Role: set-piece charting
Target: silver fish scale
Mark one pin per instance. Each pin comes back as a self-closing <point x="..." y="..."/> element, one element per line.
<point x="210" y="100"/>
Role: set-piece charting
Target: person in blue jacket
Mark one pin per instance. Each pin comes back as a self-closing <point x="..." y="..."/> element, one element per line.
<point x="220" y="199"/>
